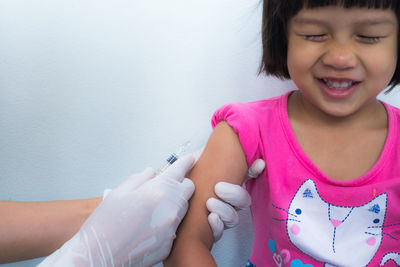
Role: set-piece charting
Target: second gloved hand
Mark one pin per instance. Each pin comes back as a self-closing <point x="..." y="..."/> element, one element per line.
<point x="135" y="224"/>
<point x="223" y="214"/>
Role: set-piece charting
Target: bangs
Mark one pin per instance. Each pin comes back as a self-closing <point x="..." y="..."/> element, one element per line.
<point x="384" y="4"/>
<point x="292" y="7"/>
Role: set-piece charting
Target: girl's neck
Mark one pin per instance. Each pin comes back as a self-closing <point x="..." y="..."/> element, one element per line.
<point x="372" y="115"/>
<point x="343" y="148"/>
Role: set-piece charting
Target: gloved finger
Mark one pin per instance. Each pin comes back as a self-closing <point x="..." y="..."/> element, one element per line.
<point x="136" y="180"/>
<point x="226" y="213"/>
<point x="106" y="192"/>
<point x="217" y="226"/>
<point x="187" y="187"/>
<point x="256" y="168"/>
<point x="198" y="153"/>
<point x="178" y="169"/>
<point x="233" y="194"/>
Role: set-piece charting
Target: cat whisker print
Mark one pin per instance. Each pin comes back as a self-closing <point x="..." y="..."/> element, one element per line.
<point x="288" y="213"/>
<point x="384" y="226"/>
<point x="284" y="220"/>
<point x="283" y="210"/>
<point x="389" y="235"/>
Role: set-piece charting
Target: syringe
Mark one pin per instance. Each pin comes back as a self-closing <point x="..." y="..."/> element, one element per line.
<point x="174" y="157"/>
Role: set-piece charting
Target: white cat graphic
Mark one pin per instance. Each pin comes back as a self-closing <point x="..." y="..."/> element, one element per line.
<point x="336" y="235"/>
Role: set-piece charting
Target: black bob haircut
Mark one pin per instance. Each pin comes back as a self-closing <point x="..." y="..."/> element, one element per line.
<point x="275" y="18"/>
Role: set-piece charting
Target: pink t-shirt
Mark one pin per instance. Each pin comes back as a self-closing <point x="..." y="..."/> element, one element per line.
<point x="302" y="217"/>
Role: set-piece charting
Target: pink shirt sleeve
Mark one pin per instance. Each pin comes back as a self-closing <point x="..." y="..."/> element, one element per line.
<point x="243" y="120"/>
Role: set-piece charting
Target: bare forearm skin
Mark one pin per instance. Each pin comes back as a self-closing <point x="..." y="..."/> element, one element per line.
<point x="222" y="160"/>
<point x="36" y="229"/>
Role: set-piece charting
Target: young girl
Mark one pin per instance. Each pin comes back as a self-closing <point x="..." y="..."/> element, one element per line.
<point x="330" y="193"/>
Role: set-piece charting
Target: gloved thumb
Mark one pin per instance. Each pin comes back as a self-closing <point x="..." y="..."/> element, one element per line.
<point x="226" y="213"/>
<point x="217" y="226"/>
<point x="187" y="187"/>
<point x="233" y="194"/>
<point x="178" y="170"/>
<point x="256" y="168"/>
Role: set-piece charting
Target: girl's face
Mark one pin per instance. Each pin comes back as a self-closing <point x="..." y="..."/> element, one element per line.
<point x="341" y="59"/>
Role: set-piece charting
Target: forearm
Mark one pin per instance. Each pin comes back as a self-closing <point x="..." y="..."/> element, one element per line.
<point x="194" y="239"/>
<point x="192" y="253"/>
<point x="222" y="160"/>
<point x="36" y="229"/>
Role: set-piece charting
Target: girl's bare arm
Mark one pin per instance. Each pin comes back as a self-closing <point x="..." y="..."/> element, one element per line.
<point x="35" y="229"/>
<point x="222" y="160"/>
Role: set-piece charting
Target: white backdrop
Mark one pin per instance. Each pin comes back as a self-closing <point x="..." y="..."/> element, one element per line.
<point x="92" y="91"/>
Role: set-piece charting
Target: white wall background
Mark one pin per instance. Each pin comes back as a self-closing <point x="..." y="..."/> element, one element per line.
<point x="92" y="91"/>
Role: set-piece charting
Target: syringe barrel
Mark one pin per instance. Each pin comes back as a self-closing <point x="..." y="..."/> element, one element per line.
<point x="174" y="157"/>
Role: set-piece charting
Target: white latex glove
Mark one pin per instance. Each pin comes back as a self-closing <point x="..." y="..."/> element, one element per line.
<point x="134" y="225"/>
<point x="223" y="213"/>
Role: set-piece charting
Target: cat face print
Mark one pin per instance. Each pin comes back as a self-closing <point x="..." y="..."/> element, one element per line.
<point x="336" y="235"/>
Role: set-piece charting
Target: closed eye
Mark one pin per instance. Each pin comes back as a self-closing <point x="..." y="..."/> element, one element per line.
<point x="315" y="37"/>
<point x="369" y="39"/>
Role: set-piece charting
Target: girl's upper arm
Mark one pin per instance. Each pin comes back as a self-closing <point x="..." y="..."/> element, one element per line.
<point x="223" y="159"/>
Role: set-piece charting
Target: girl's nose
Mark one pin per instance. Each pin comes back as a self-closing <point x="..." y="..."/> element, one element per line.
<point x="340" y="57"/>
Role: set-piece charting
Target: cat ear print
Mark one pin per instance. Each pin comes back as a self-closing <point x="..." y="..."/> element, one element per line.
<point x="307" y="193"/>
<point x="380" y="200"/>
<point x="381" y="196"/>
<point x="375" y="209"/>
<point x="308" y="189"/>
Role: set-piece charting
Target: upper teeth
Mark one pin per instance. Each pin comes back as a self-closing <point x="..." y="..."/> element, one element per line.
<point x="338" y="85"/>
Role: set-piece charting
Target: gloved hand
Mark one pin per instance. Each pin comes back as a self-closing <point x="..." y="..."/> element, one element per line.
<point x="135" y="224"/>
<point x="223" y="214"/>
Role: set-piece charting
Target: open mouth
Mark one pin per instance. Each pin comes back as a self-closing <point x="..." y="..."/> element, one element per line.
<point x="338" y="84"/>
